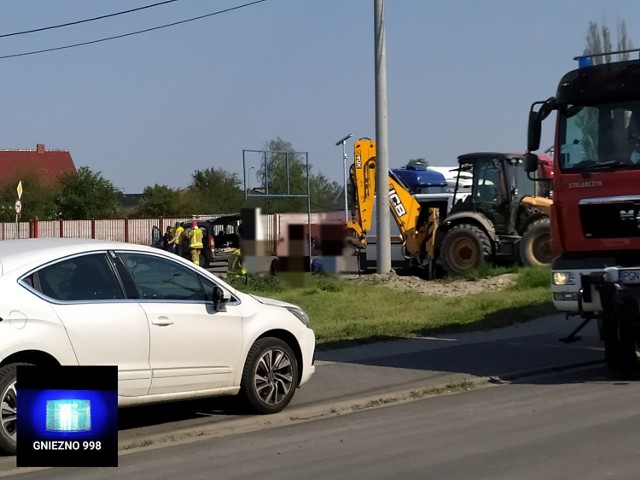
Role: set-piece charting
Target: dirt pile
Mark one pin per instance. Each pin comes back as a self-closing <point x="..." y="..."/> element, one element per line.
<point x="448" y="288"/>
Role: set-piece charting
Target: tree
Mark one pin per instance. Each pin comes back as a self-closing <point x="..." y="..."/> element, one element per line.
<point x="598" y="43"/>
<point x="38" y="198"/>
<point x="214" y="190"/>
<point x="284" y="172"/>
<point x="159" y="200"/>
<point x="418" y="162"/>
<point x="84" y="195"/>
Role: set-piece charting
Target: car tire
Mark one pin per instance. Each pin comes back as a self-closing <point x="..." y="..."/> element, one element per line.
<point x="270" y="376"/>
<point x="8" y="410"/>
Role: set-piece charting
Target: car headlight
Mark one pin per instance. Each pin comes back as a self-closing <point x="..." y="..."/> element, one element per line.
<point x="300" y="314"/>
<point x="564" y="278"/>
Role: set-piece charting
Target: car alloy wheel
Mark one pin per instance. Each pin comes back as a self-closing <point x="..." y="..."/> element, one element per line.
<point x="271" y="375"/>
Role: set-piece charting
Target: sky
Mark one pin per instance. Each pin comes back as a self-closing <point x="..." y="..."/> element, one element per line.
<point x="154" y="108"/>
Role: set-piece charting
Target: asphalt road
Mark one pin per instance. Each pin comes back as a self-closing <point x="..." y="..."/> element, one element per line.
<point x="580" y="424"/>
<point x="354" y="379"/>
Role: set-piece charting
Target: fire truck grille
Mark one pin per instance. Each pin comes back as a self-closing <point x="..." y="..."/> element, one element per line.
<point x="616" y="219"/>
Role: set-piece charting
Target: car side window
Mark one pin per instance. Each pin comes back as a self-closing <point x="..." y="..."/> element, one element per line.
<point x="163" y="279"/>
<point x="87" y="277"/>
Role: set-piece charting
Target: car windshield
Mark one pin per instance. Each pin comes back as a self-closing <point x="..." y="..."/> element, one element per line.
<point x="599" y="137"/>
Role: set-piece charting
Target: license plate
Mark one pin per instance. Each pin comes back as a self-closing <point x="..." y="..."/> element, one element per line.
<point x="629" y="277"/>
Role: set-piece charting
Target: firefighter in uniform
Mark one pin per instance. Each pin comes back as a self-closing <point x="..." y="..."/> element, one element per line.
<point x="195" y="242"/>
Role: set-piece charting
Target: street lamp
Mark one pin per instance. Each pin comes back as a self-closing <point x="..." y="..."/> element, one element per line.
<point x="343" y="141"/>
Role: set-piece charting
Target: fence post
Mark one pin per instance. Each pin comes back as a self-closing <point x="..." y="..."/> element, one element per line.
<point x="61" y="228"/>
<point x="126" y="229"/>
<point x="93" y="228"/>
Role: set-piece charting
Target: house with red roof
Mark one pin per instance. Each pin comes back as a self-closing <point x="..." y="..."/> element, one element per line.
<point x="47" y="164"/>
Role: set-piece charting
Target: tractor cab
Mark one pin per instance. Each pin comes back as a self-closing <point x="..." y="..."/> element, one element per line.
<point x="499" y="183"/>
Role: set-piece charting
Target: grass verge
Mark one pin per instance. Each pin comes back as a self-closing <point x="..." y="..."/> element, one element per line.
<point x="347" y="313"/>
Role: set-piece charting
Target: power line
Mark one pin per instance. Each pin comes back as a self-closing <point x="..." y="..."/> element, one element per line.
<point x="77" y="22"/>
<point x="130" y="34"/>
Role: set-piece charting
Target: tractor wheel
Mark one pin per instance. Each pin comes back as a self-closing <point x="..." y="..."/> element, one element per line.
<point x="535" y="245"/>
<point x="464" y="248"/>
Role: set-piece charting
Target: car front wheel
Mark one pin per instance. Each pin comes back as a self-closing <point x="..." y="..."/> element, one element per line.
<point x="270" y="376"/>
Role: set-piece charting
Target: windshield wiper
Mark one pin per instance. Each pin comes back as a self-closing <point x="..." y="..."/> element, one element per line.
<point x="613" y="164"/>
<point x="591" y="165"/>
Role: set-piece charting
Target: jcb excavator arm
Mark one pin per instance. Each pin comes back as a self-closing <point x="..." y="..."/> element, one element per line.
<point x="363" y="182"/>
<point x="418" y="232"/>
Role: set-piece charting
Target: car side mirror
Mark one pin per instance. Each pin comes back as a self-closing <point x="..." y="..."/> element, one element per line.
<point x="219" y="300"/>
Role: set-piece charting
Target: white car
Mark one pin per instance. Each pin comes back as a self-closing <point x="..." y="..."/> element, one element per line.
<point x="174" y="330"/>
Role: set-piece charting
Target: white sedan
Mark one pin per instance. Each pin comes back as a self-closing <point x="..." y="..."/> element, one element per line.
<point x="174" y="330"/>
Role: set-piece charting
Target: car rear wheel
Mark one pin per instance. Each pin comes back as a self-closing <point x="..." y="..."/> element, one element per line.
<point x="270" y="376"/>
<point x="9" y="408"/>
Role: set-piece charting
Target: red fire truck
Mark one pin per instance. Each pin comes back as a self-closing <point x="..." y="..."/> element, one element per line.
<point x="595" y="217"/>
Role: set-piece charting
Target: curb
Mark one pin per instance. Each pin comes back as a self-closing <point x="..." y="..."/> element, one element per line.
<point x="334" y="409"/>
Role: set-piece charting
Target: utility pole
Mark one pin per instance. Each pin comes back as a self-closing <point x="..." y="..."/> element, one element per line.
<point x="383" y="260"/>
<point x="343" y="141"/>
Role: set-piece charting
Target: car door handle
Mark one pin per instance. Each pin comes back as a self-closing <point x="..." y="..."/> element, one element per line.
<point x="162" y="321"/>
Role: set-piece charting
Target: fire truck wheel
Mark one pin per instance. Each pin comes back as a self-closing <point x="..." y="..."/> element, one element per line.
<point x="619" y="346"/>
<point x="535" y="245"/>
<point x="464" y="248"/>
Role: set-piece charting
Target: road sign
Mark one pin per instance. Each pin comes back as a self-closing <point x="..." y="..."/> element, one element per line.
<point x="18" y="207"/>
<point x="19" y="189"/>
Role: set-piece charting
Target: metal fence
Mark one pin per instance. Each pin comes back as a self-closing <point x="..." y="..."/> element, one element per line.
<point x="139" y="230"/>
<point x="131" y="230"/>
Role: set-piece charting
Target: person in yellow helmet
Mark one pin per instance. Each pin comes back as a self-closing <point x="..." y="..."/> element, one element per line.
<point x="195" y="242"/>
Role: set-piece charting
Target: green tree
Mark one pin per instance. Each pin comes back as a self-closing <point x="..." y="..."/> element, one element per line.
<point x="418" y="162"/>
<point x="284" y="172"/>
<point x="38" y="198"/>
<point x="214" y="190"/>
<point x="84" y="195"/>
<point x="159" y="200"/>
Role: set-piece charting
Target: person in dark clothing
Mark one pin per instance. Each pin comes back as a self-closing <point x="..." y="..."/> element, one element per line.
<point x="166" y="238"/>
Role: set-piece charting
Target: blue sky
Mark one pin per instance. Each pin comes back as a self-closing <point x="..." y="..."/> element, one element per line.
<point x="153" y="108"/>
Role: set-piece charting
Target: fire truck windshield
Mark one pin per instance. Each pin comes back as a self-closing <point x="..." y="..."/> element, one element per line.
<point x="599" y="137"/>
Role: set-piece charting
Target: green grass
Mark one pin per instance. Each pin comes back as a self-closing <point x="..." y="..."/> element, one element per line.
<point x="351" y="312"/>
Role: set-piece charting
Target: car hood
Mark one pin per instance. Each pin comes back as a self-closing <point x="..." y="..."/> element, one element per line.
<point x="273" y="302"/>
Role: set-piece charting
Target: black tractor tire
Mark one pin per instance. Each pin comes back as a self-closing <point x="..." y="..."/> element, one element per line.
<point x="464" y="248"/>
<point x="619" y="346"/>
<point x="535" y="244"/>
<point x="270" y="377"/>
<point x="8" y="413"/>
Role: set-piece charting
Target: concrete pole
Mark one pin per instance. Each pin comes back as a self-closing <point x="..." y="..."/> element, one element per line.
<point x="383" y="259"/>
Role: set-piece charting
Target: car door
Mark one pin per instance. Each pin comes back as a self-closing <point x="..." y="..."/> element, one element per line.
<point x="103" y="327"/>
<point x="192" y="347"/>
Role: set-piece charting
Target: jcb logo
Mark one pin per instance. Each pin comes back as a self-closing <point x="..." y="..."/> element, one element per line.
<point x="358" y="162"/>
<point x="627" y="214"/>
<point x="394" y="199"/>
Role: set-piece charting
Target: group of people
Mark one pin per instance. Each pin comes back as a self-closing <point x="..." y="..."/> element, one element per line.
<point x="176" y="239"/>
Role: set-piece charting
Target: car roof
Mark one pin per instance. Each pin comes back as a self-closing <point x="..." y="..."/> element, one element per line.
<point x="33" y="251"/>
<point x="226" y="219"/>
